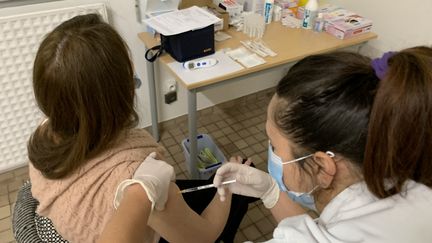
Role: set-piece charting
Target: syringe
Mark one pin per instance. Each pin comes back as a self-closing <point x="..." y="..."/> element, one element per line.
<point x="197" y="188"/>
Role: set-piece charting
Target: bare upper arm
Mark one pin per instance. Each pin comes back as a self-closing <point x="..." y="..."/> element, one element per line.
<point x="178" y="222"/>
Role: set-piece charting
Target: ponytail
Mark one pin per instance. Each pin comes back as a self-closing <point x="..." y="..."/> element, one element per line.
<point x="399" y="141"/>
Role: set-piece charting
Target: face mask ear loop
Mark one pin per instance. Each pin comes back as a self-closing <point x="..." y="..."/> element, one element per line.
<point x="331" y="154"/>
<point x="313" y="189"/>
<point x="295" y="160"/>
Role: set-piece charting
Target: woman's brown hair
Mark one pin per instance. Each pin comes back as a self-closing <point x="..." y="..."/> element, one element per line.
<point x="399" y="142"/>
<point x="83" y="82"/>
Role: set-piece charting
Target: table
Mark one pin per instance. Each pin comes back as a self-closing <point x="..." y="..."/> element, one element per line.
<point x="290" y="45"/>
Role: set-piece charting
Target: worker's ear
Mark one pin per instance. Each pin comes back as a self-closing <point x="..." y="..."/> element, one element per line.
<point x="327" y="168"/>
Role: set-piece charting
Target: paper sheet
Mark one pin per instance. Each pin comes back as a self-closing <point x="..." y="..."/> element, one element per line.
<point x="180" y="21"/>
<point x="224" y="66"/>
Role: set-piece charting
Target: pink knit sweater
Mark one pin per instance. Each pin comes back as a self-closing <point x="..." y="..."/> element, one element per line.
<point x="80" y="205"/>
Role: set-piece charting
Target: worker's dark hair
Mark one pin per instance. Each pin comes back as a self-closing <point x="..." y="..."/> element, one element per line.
<point x="399" y="144"/>
<point x="83" y="83"/>
<point x="336" y="102"/>
<point x="323" y="104"/>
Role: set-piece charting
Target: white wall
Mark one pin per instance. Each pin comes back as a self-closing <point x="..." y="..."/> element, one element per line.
<point x="122" y="15"/>
<point x="124" y="19"/>
<point x="399" y="24"/>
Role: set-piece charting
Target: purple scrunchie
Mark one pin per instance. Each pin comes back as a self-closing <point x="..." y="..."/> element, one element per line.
<point x="380" y="65"/>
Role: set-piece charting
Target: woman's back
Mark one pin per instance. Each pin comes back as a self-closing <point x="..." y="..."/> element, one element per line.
<point x="83" y="83"/>
<point x="80" y="205"/>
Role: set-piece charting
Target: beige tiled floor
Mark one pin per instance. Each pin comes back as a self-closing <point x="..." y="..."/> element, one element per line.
<point x="238" y="128"/>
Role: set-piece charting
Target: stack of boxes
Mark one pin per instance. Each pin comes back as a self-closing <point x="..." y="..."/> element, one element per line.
<point x="343" y="23"/>
<point x="338" y="22"/>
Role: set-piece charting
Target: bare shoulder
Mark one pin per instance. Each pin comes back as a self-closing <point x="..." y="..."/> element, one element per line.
<point x="176" y="209"/>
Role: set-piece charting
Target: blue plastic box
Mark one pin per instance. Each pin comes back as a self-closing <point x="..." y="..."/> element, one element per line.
<point x="204" y="141"/>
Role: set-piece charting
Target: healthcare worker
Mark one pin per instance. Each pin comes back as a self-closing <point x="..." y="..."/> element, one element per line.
<point x="351" y="139"/>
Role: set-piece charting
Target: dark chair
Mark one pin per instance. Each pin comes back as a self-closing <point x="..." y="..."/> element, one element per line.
<point x="23" y="219"/>
<point x="27" y="225"/>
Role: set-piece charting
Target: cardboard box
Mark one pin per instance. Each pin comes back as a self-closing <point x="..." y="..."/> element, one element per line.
<point x="220" y="13"/>
<point x="345" y="24"/>
<point x="287" y="3"/>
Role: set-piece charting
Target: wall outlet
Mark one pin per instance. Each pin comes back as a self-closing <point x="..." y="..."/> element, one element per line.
<point x="171" y="85"/>
<point x="137" y="81"/>
<point x="170" y="97"/>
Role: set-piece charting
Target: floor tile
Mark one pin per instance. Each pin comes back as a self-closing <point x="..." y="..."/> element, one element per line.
<point x="241" y="144"/>
<point x="179" y="138"/>
<point x="212" y="128"/>
<point x="265" y="226"/>
<point x="14" y="185"/>
<point x="5" y="212"/>
<point x="234" y="137"/>
<point x="221" y="124"/>
<point x="4" y="177"/>
<point x="7" y="236"/>
<point x="227" y="130"/>
<point x="258" y="147"/>
<point x="217" y="134"/>
<point x="169" y="142"/>
<point x="255" y="214"/>
<point x="251" y="141"/>
<point x="251" y="232"/>
<point x="174" y="149"/>
<point x="3" y="189"/>
<point x="245" y="222"/>
<point x="223" y="140"/>
<point x="4" y="200"/>
<point x="240" y="238"/>
<point x="21" y="171"/>
<point x="269" y="236"/>
<point x="5" y="224"/>
<point x="175" y="132"/>
<point x="244" y="133"/>
<point x="13" y="196"/>
<point x="237" y="127"/>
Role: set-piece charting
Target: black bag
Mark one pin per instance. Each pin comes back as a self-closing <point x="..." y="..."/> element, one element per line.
<point x="185" y="46"/>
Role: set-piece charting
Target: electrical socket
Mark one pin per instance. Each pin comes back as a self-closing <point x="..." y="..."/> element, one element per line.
<point x="171" y="85"/>
<point x="170" y="97"/>
<point x="171" y="91"/>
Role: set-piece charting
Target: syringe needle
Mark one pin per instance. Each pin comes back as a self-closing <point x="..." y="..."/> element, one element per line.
<point x="192" y="189"/>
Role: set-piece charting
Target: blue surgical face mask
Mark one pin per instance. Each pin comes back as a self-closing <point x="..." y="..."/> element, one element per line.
<point x="275" y="168"/>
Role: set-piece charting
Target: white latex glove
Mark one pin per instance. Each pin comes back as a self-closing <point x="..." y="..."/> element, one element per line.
<point x="250" y="182"/>
<point x="155" y="177"/>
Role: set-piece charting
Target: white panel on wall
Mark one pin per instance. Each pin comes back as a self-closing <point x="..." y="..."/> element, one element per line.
<point x="20" y="36"/>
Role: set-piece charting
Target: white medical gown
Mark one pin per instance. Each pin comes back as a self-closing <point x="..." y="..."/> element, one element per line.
<point x="355" y="215"/>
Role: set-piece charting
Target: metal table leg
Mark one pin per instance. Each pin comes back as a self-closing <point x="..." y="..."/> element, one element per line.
<point x="192" y="120"/>
<point x="153" y="102"/>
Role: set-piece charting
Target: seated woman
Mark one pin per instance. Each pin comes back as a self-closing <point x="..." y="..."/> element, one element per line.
<point x="87" y="145"/>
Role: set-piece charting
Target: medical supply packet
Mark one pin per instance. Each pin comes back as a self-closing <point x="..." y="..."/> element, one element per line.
<point x="343" y="23"/>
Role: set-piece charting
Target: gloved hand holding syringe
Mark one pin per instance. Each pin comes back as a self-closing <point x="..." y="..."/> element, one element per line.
<point x="197" y="188"/>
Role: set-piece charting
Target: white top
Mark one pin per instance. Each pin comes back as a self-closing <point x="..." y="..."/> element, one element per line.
<point x="355" y="215"/>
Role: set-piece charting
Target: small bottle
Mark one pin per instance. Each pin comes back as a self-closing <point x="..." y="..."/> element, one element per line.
<point x="277" y="13"/>
<point x="319" y="23"/>
<point x="310" y="12"/>
<point x="268" y="11"/>
<point x="301" y="3"/>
